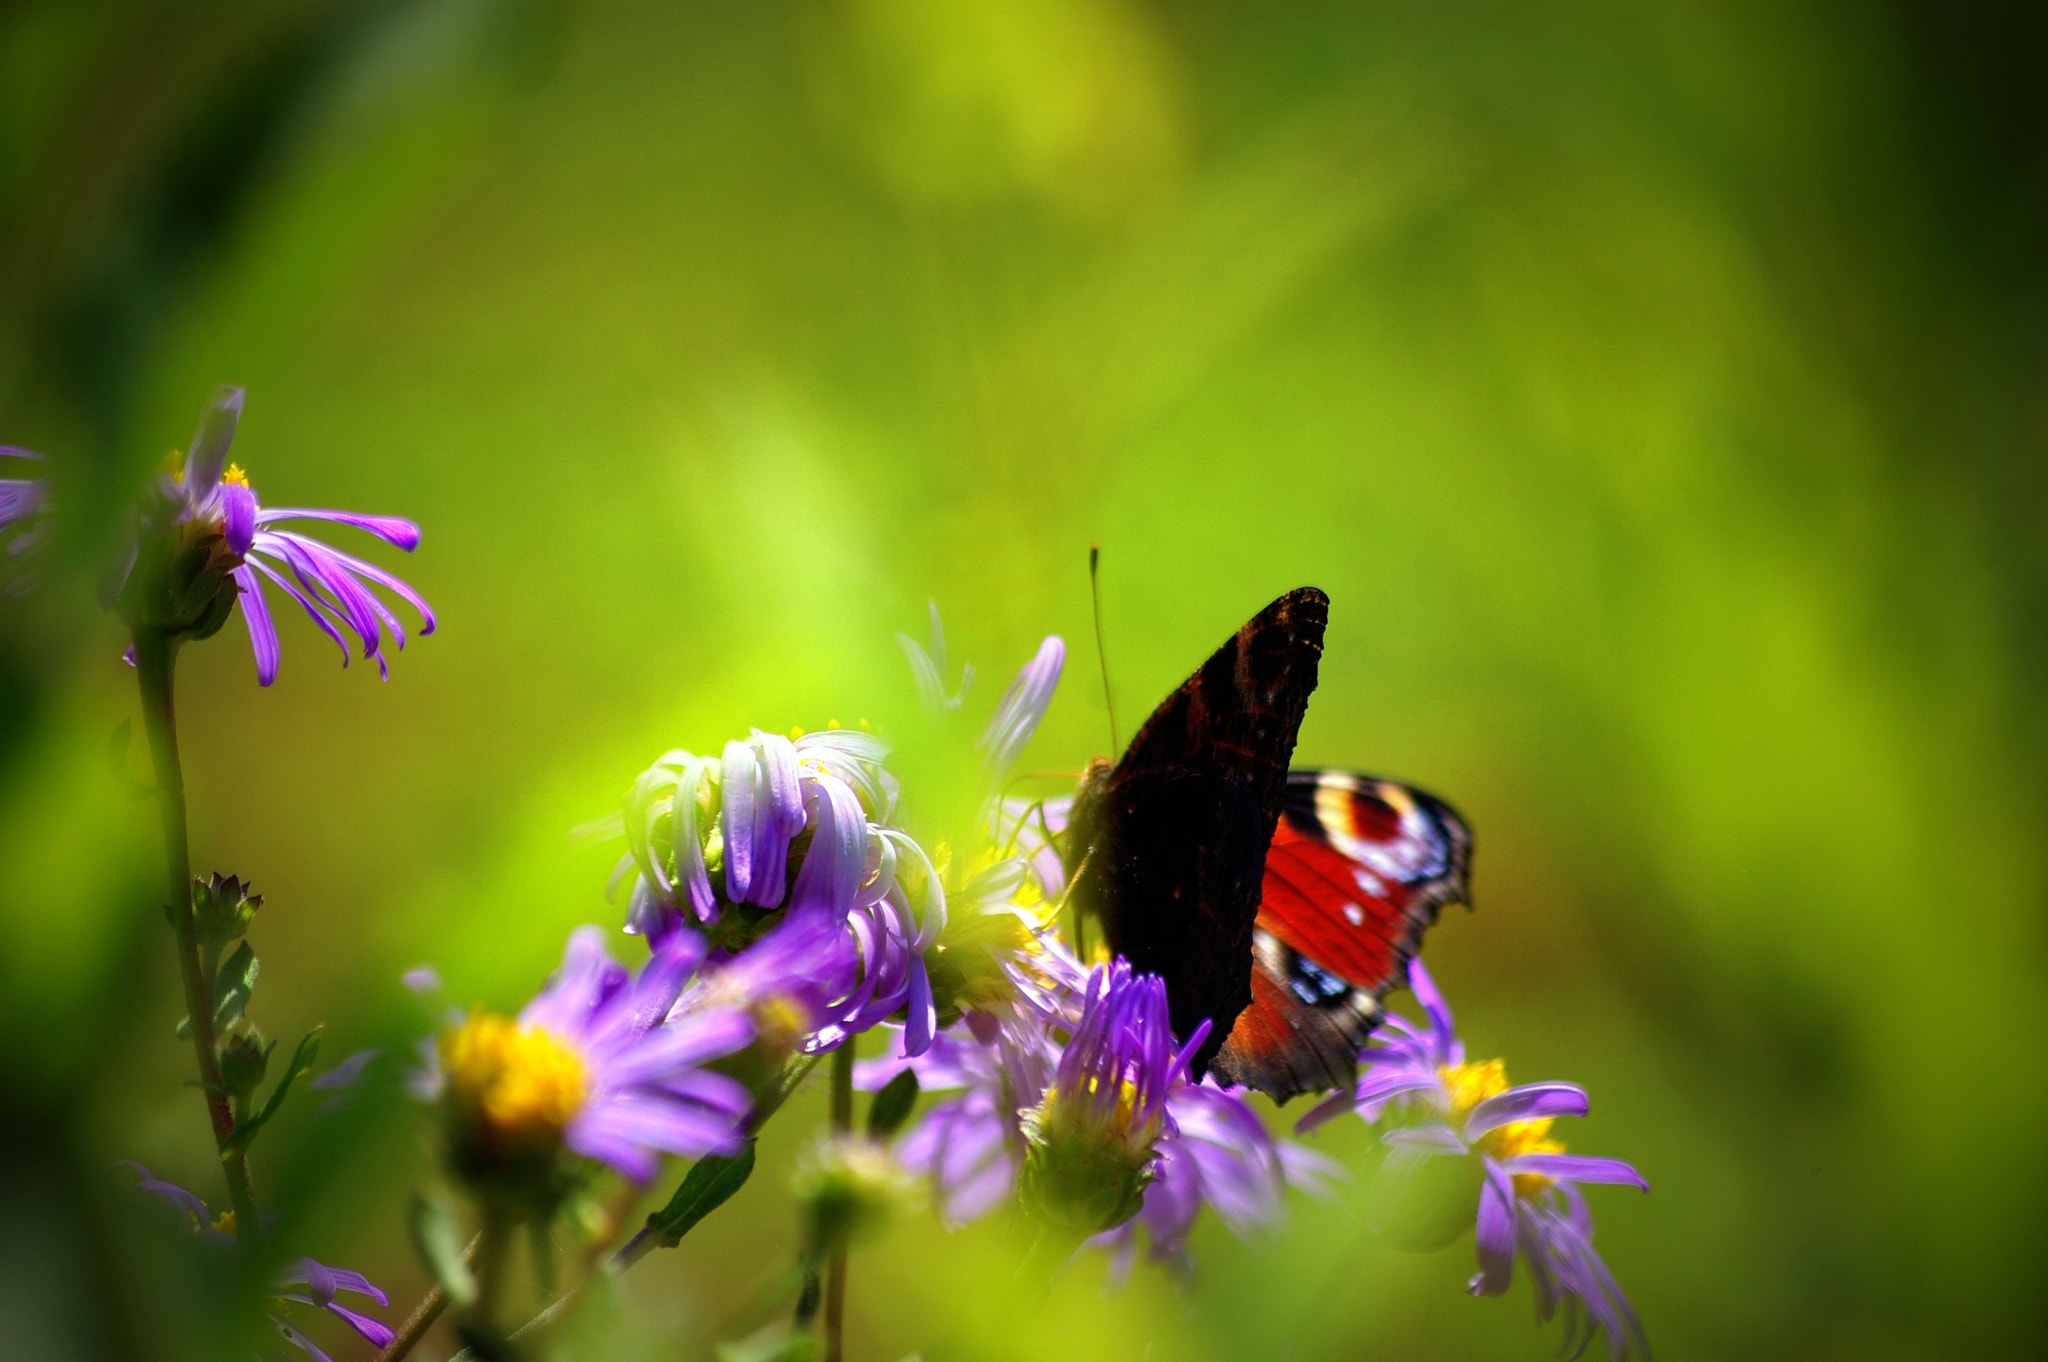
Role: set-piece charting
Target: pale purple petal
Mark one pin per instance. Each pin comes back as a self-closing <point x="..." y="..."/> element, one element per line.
<point x="1433" y="1138"/>
<point x="1529" y="1102"/>
<point x="1022" y="706"/>
<point x="1576" y="1168"/>
<point x="422" y="979"/>
<point x="209" y="451"/>
<point x="1496" y="1235"/>
<point x="347" y="1073"/>
<point x="737" y="815"/>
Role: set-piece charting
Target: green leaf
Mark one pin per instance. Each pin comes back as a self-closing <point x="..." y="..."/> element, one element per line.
<point x="301" y="1065"/>
<point x="891" y="1107"/>
<point x="440" y="1248"/>
<point x="233" y="985"/>
<point x="709" y="1184"/>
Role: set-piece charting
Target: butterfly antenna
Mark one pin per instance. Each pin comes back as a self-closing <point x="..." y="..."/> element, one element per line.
<point x="1102" y="654"/>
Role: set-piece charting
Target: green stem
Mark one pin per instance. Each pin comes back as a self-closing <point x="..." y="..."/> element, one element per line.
<point x="156" y="660"/>
<point x="835" y="1275"/>
<point x="493" y="1253"/>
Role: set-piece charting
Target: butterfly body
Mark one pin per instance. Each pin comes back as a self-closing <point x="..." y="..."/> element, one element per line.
<point x="1279" y="907"/>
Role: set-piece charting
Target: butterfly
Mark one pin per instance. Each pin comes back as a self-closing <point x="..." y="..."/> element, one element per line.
<point x="1279" y="905"/>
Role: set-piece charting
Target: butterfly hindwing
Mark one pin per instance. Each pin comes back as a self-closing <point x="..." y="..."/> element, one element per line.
<point x="1169" y="845"/>
<point x="1357" y="870"/>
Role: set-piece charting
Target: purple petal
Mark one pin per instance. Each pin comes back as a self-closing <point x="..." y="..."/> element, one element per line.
<point x="1529" y="1102"/>
<point x="1576" y="1168"/>
<point x="378" y="1333"/>
<point x="299" y="1340"/>
<point x="347" y="1073"/>
<point x="737" y="815"/>
<point x="238" y="516"/>
<point x="422" y="979"/>
<point x="315" y="608"/>
<point x="395" y="585"/>
<point x="1432" y="1138"/>
<point x="1022" y="706"/>
<point x="209" y="451"/>
<point x="1443" y="1034"/>
<point x="1496" y="1235"/>
<point x="389" y="528"/>
<point x="256" y="616"/>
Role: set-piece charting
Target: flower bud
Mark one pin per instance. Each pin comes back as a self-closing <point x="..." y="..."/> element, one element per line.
<point x="222" y="908"/>
<point x="244" y="1055"/>
<point x="849" y="1188"/>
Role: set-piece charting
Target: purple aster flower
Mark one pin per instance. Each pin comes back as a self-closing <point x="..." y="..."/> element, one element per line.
<point x="171" y="1194"/>
<point x="309" y="1283"/>
<point x="1441" y="1106"/>
<point x="603" y="1063"/>
<point x="207" y="497"/>
<point x="316" y="1284"/>
<point x="1092" y="1138"/>
<point x="1215" y="1152"/>
<point x="720" y="835"/>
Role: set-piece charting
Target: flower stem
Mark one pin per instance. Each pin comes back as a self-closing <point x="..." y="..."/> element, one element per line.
<point x="835" y="1274"/>
<point x="156" y="660"/>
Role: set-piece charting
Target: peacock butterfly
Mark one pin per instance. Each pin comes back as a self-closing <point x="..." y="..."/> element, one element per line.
<point x="1280" y="906"/>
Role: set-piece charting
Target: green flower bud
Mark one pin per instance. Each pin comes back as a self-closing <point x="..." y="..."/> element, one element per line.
<point x="244" y="1055"/>
<point x="850" y="1188"/>
<point x="223" y="908"/>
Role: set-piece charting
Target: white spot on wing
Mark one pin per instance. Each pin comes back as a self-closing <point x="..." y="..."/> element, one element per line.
<point x="1353" y="915"/>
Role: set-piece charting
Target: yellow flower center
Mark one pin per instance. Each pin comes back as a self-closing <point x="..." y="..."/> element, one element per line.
<point x="1470" y="1084"/>
<point x="225" y="1222"/>
<point x="235" y="475"/>
<point x="519" y="1081"/>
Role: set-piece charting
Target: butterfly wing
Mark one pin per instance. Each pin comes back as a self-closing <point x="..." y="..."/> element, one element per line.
<point x="1170" y="843"/>
<point x="1357" y="871"/>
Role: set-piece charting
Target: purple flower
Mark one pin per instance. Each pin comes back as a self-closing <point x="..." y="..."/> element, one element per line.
<point x="716" y="835"/>
<point x="1215" y="1152"/>
<point x="309" y="1283"/>
<point x="603" y="1063"/>
<point x="1441" y="1106"/>
<point x="209" y="496"/>
<point x="20" y="498"/>
<point x="316" y="1284"/>
<point x="171" y="1194"/>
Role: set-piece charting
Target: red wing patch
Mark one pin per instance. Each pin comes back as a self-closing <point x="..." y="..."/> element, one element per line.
<point x="1357" y="870"/>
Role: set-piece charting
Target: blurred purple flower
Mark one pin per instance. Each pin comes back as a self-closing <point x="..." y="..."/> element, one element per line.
<point x="330" y="585"/>
<point x="309" y="1283"/>
<point x="316" y="1284"/>
<point x="602" y="1062"/>
<point x="1215" y="1152"/>
<point x="171" y="1194"/>
<point x="1443" y="1106"/>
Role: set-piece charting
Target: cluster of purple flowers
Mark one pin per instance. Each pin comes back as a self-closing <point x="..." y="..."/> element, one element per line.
<point x="1079" y="1074"/>
<point x="305" y="1282"/>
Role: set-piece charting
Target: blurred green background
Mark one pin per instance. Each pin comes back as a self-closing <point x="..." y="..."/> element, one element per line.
<point x="1656" y="390"/>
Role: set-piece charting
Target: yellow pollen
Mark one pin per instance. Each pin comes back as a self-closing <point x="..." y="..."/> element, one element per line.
<point x="225" y="1222"/>
<point x="1470" y="1084"/>
<point x="235" y="475"/>
<point x="519" y="1080"/>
